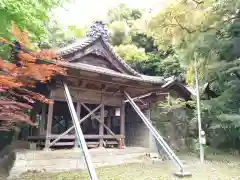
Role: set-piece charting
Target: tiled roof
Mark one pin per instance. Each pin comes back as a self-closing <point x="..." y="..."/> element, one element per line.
<point x="78" y="45"/>
<point x="97" y="69"/>
<point x="173" y="81"/>
<point x="92" y="36"/>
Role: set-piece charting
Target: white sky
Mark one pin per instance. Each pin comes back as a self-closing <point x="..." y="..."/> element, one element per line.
<point x="82" y="12"/>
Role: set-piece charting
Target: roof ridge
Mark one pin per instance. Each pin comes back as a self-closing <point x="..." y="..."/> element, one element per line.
<point x="86" y="41"/>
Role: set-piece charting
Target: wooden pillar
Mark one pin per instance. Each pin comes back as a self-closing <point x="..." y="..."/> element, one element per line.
<point x="49" y="123"/>
<point x="122" y="121"/>
<point x="101" y="128"/>
<point x="43" y="119"/>
<point x="79" y="116"/>
<point x="109" y="120"/>
<point x="33" y="116"/>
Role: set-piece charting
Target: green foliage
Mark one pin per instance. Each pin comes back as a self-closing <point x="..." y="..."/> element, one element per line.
<point x="144" y="41"/>
<point x="131" y="53"/>
<point x="176" y="122"/>
<point x="27" y="15"/>
<point x="58" y="37"/>
<point x="123" y="13"/>
<point x="137" y="47"/>
<point x="207" y="32"/>
<point x="120" y="33"/>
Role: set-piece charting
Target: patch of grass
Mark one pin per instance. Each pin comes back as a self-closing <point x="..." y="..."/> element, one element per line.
<point x="210" y="170"/>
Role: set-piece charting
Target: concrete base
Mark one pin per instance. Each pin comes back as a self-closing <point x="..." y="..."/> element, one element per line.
<point x="183" y="174"/>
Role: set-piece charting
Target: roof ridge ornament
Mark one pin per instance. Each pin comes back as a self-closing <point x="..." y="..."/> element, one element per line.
<point x="97" y="29"/>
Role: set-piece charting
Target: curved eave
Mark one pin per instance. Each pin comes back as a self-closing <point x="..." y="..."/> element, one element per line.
<point x="104" y="71"/>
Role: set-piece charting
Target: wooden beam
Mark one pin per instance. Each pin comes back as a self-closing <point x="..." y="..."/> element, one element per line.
<point x="107" y="142"/>
<point x="95" y="136"/>
<point x="79" y="117"/>
<point x="89" y="144"/>
<point x="66" y="136"/>
<point x="122" y="120"/>
<point x="101" y="129"/>
<point x="49" y="122"/>
<point x="114" y="83"/>
<point x="92" y="90"/>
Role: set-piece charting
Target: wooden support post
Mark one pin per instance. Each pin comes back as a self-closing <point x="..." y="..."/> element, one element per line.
<point x="43" y="119"/>
<point x="33" y="116"/>
<point x="49" y="123"/>
<point x="109" y="119"/>
<point x="101" y="129"/>
<point x="122" y="121"/>
<point x="79" y="117"/>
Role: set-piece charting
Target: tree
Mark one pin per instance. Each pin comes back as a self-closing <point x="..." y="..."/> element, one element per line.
<point x="131" y="53"/>
<point x="58" y="37"/>
<point x="27" y="14"/>
<point x="134" y="45"/>
<point x="120" y="33"/>
<point x="17" y="80"/>
<point x="209" y="32"/>
<point x="124" y="13"/>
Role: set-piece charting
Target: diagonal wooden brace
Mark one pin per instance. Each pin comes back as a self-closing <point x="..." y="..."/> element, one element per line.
<point x="80" y="121"/>
<point x="71" y="128"/>
<point x="155" y="133"/>
<point x="98" y="119"/>
<point x="80" y="136"/>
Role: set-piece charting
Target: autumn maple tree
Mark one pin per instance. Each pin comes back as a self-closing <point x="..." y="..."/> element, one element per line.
<point x="18" y="78"/>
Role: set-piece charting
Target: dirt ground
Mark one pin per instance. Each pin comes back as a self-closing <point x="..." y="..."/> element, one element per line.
<point x="215" y="168"/>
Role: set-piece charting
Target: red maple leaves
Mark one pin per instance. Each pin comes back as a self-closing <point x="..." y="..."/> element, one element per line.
<point x="17" y="80"/>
